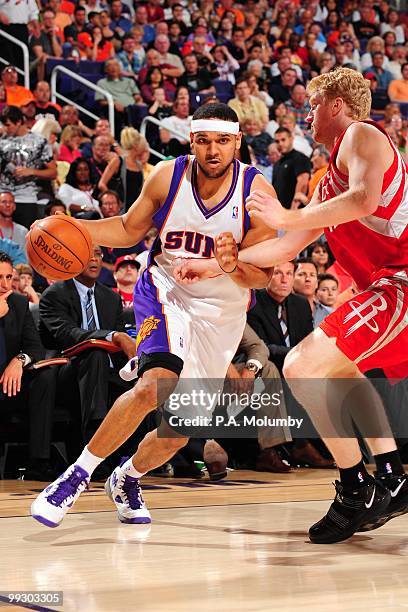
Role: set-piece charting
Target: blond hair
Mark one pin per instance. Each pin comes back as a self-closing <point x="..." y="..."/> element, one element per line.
<point x="347" y="84"/>
<point x="46" y="126"/>
<point x="69" y="132"/>
<point x="129" y="137"/>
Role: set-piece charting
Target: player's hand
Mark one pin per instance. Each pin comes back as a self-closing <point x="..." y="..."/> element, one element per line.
<point x="125" y="343"/>
<point x="266" y="208"/>
<point x="188" y="271"/>
<point x="226" y="252"/>
<point x="11" y="378"/>
<point x="4" y="307"/>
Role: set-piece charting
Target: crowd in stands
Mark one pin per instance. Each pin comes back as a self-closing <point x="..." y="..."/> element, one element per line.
<point x="162" y="59"/>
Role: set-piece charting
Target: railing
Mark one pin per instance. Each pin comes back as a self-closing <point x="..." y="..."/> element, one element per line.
<point x="159" y="124"/>
<point x="86" y="83"/>
<point x="26" y="60"/>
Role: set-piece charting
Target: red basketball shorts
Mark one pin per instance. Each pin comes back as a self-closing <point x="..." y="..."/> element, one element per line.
<point x="371" y="329"/>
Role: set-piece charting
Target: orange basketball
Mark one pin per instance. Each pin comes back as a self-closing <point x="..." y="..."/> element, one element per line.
<point x="59" y="247"/>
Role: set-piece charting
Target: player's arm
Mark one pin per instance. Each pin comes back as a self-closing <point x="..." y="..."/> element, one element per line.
<point x="129" y="229"/>
<point x="281" y="250"/>
<point x="246" y="274"/>
<point x="365" y="155"/>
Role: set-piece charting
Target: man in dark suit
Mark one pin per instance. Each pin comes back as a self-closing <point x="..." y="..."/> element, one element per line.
<point x="20" y="345"/>
<point x="282" y="319"/>
<point x="80" y="309"/>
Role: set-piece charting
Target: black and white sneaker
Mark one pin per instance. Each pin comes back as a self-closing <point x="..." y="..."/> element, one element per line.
<point x="398" y="488"/>
<point x="350" y="509"/>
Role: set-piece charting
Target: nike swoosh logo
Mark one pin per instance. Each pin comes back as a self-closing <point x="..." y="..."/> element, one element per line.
<point x="394" y="493"/>
<point x="371" y="500"/>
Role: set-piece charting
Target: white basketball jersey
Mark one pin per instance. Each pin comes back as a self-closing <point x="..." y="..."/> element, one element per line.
<point x="188" y="229"/>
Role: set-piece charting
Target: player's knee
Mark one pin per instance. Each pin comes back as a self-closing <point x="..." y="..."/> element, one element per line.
<point x="294" y="366"/>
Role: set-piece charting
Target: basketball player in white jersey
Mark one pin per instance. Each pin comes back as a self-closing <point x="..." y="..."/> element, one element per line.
<point x="188" y="331"/>
<point x="362" y="202"/>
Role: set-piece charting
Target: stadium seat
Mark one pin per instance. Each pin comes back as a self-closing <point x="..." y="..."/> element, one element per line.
<point x="224" y="90"/>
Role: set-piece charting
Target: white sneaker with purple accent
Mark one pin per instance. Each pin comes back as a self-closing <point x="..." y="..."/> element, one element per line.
<point x="126" y="493"/>
<point x="52" y="504"/>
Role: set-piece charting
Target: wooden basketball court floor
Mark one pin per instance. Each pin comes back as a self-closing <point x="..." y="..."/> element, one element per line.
<point x="240" y="544"/>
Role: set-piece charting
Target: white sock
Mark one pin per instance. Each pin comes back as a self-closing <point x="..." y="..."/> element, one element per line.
<point x="130" y="470"/>
<point x="87" y="461"/>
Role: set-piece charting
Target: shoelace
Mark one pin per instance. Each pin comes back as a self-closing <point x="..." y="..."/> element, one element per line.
<point x="132" y="491"/>
<point x="66" y="488"/>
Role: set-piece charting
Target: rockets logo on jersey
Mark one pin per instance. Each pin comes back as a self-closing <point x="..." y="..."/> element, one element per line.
<point x="192" y="242"/>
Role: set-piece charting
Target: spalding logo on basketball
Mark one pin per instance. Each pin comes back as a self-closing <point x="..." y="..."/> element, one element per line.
<point x="59" y="247"/>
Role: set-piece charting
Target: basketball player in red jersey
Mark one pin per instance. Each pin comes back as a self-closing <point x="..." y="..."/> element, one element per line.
<point x="362" y="202"/>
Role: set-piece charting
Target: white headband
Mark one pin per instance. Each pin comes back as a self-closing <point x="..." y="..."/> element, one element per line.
<point x="214" y="125"/>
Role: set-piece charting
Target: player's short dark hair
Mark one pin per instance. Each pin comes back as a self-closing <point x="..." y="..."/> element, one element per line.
<point x="216" y="110"/>
<point x="306" y="260"/>
<point x="12" y="114"/>
<point x="5" y="258"/>
<point x="325" y="277"/>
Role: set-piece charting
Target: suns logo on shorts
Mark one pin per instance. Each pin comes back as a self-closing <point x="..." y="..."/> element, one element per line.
<point x="146" y="328"/>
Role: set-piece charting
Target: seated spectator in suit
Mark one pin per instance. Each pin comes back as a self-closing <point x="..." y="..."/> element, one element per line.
<point x="305" y="283"/>
<point x="76" y="310"/>
<point x="126" y="275"/>
<point x="9" y="229"/>
<point x="251" y="361"/>
<point x="24" y="393"/>
<point x="282" y="319"/>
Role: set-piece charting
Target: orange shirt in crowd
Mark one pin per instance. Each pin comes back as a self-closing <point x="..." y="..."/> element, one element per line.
<point x="314" y="179"/>
<point x="18" y="95"/>
<point x="398" y="90"/>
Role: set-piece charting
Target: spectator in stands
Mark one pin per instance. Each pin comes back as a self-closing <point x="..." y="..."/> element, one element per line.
<point x="69" y="144"/>
<point x="77" y="27"/>
<point x="257" y="139"/>
<point x="53" y="207"/>
<point x="379" y="97"/>
<point x="398" y="89"/>
<point x="180" y="121"/>
<point x="25" y="283"/>
<point x="44" y="43"/>
<point x="25" y="159"/>
<point x="8" y="228"/>
<point x="124" y="174"/>
<point x="305" y="283"/>
<point x="123" y="90"/>
<point x="283" y="63"/>
<point x="320" y="161"/>
<point x="236" y="46"/>
<point x="69" y="116"/>
<point x="14" y="19"/>
<point x="196" y="79"/>
<point x="299" y="105"/>
<point x="325" y="62"/>
<point x="365" y="28"/>
<point x="276" y="113"/>
<point x="291" y="172"/>
<point x="43" y="106"/>
<point x="126" y="275"/>
<point x="29" y="396"/>
<point x="130" y="60"/>
<point x="155" y="80"/>
<point x="28" y="111"/>
<point x="119" y="24"/>
<point x="148" y="243"/>
<point x="16" y="95"/>
<point x="141" y="19"/>
<point x="320" y="256"/>
<point x="154" y="11"/>
<point x="300" y="143"/>
<point x="76" y="310"/>
<point x="281" y="92"/>
<point x="392" y="23"/>
<point x="162" y="45"/>
<point x="384" y="77"/>
<point x="399" y="57"/>
<point x="225" y="63"/>
<point x="256" y="83"/>
<point x="247" y="106"/>
<point x="374" y="45"/>
<point x="327" y="290"/>
<point x="94" y="46"/>
<point x="226" y="6"/>
<point x="282" y="319"/>
<point x="101" y="156"/>
<point x="77" y="191"/>
<point x="272" y="157"/>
